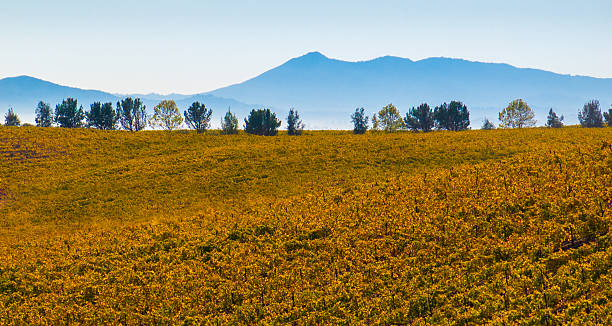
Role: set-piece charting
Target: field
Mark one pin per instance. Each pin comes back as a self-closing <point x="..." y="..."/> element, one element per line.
<point x="495" y="227"/>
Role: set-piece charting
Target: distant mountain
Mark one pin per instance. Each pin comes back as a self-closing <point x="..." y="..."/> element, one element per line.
<point x="23" y="94"/>
<point x="157" y="97"/>
<point x="325" y="91"/>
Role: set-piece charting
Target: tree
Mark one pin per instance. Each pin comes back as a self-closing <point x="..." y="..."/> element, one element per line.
<point x="420" y="118"/>
<point x="11" y="118"/>
<point x="132" y="114"/>
<point x="198" y="117"/>
<point x="608" y="117"/>
<point x="102" y="116"/>
<point x="388" y="119"/>
<point x="262" y="122"/>
<point x="44" y="116"/>
<point x="487" y="125"/>
<point x="454" y="116"/>
<point x="590" y="115"/>
<point x="360" y="121"/>
<point x="294" y="123"/>
<point x="67" y="115"/>
<point x="166" y="115"/>
<point x="553" y="121"/>
<point x="229" y="124"/>
<point x="517" y="114"/>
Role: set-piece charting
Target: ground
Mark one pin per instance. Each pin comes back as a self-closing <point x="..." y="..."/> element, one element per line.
<point x="501" y="227"/>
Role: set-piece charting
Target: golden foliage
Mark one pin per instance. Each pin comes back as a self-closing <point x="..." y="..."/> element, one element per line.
<point x="501" y="227"/>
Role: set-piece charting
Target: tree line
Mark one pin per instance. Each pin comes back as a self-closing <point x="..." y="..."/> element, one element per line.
<point x="131" y="114"/>
<point x="455" y="116"/>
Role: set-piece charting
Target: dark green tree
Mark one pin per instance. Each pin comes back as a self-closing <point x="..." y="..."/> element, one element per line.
<point x="198" y="117"/>
<point x="44" y="116"/>
<point x="67" y="115"/>
<point x="487" y="125"/>
<point x="553" y="121"/>
<point x="262" y="122"/>
<point x="420" y="118"/>
<point x="360" y="121"/>
<point x="294" y="123"/>
<point x="454" y="116"/>
<point x="132" y="114"/>
<point x="229" y="124"/>
<point x="608" y="117"/>
<point x="11" y="118"/>
<point x="102" y="116"/>
<point x="590" y="115"/>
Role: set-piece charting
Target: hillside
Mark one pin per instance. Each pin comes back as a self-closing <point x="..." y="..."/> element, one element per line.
<point x="328" y="90"/>
<point x="111" y="227"/>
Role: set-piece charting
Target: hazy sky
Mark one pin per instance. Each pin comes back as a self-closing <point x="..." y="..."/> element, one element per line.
<point x="190" y="46"/>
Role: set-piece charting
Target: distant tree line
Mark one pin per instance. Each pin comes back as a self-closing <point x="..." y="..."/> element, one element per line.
<point x="455" y="116"/>
<point x="131" y="114"/>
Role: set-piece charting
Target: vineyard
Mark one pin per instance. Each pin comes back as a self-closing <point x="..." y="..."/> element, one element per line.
<point x="497" y="227"/>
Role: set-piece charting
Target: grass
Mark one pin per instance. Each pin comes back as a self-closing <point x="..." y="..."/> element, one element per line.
<point x="328" y="227"/>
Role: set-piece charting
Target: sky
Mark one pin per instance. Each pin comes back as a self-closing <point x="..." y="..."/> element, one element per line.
<point x="189" y="46"/>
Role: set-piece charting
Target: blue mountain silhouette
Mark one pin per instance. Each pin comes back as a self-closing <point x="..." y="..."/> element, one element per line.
<point x="326" y="91"/>
<point x="23" y="94"/>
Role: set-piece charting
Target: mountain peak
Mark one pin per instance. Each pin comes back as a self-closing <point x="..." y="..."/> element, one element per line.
<point x="310" y="57"/>
<point x="389" y="59"/>
<point x="314" y="55"/>
<point x="22" y="78"/>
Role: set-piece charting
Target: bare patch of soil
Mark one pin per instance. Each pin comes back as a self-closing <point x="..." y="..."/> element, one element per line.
<point x="24" y="150"/>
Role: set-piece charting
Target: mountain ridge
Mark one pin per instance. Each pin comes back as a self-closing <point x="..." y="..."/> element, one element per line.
<point x="24" y="92"/>
<point x="321" y="86"/>
<point x="326" y="90"/>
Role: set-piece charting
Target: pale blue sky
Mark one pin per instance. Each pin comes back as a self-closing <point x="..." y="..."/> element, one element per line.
<point x="190" y="46"/>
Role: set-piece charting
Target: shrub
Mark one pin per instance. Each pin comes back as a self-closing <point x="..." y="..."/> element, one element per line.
<point x="590" y="115"/>
<point x="294" y="123"/>
<point x="517" y="114"/>
<point x="166" y="115"/>
<point x="229" y="124"/>
<point x="420" y="118"/>
<point x="553" y="121"/>
<point x="262" y="122"/>
<point x="67" y="115"/>
<point x="102" y="116"/>
<point x="360" y="121"/>
<point x="11" y="118"/>
<point x="388" y="119"/>
<point x="198" y="117"/>
<point x="488" y="125"/>
<point x="454" y="116"/>
<point x="132" y="114"/>
<point x="608" y="117"/>
<point x="44" y="116"/>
